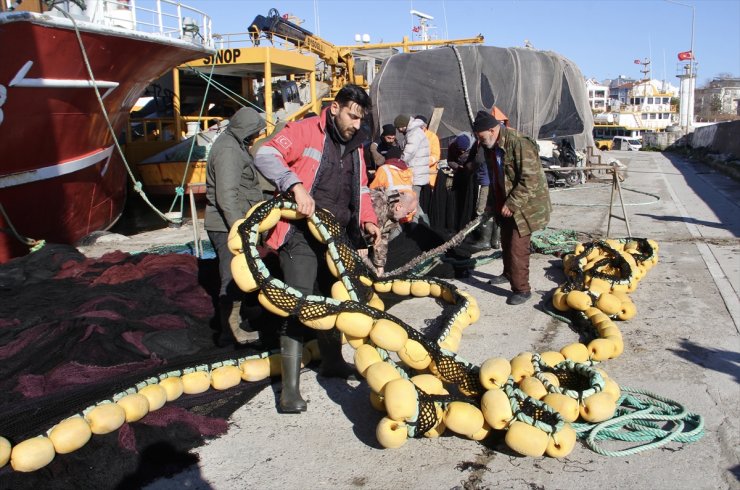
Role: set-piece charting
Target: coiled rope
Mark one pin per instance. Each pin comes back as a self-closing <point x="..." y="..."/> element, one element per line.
<point x="635" y="420"/>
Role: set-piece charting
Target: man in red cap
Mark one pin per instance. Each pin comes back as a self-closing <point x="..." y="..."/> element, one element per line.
<point x="519" y="198"/>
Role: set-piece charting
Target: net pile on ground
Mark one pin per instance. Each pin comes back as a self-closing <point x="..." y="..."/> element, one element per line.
<point x="421" y="383"/>
<point x="410" y="375"/>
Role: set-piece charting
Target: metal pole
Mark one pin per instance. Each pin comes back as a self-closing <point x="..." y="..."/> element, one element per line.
<point x="690" y="96"/>
<point x="196" y="228"/>
<point x="621" y="200"/>
<point x="611" y="204"/>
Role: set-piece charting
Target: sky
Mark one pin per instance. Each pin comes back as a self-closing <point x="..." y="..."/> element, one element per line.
<point x="603" y="37"/>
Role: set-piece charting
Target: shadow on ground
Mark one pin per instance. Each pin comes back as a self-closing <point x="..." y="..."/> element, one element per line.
<point x="723" y="361"/>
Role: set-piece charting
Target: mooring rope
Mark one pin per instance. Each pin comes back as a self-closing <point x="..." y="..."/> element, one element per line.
<point x="137" y="185"/>
<point x="635" y="420"/>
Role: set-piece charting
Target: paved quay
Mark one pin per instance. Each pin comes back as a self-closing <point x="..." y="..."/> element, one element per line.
<point x="684" y="344"/>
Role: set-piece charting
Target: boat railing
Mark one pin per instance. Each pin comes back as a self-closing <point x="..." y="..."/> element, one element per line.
<point x="165" y="17"/>
<point x="242" y="39"/>
<point x="162" y="129"/>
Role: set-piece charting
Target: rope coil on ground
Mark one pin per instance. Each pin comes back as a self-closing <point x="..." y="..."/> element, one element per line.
<point x="634" y="421"/>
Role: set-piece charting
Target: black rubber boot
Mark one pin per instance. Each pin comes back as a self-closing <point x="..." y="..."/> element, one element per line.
<point x="230" y="322"/>
<point x="291" y="351"/>
<point x="333" y="364"/>
<point x="495" y="236"/>
<point x="483" y="241"/>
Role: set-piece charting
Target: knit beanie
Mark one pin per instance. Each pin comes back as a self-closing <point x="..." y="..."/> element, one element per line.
<point x="401" y="121"/>
<point x="464" y="141"/>
<point x="393" y="152"/>
<point x="388" y="130"/>
<point x="484" y="121"/>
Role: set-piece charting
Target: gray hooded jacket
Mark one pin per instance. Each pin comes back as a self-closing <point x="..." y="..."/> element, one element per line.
<point x="232" y="185"/>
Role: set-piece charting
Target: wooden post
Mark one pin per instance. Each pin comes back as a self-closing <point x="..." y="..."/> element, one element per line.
<point x="435" y="119"/>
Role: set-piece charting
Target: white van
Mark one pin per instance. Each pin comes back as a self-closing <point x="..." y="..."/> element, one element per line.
<point x="626" y="143"/>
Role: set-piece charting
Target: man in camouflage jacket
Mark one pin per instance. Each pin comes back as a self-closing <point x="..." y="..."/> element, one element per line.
<point x="391" y="207"/>
<point x="519" y="198"/>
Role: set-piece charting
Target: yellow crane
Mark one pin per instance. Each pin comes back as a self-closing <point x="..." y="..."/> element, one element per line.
<point x="339" y="59"/>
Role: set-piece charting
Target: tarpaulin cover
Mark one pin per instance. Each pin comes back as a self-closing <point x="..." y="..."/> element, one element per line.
<point x="543" y="94"/>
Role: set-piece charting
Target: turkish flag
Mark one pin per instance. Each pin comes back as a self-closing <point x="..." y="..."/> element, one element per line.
<point x="638" y="62"/>
<point x="685" y="55"/>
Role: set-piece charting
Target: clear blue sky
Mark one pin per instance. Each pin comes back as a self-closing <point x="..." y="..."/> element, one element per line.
<point x="603" y="37"/>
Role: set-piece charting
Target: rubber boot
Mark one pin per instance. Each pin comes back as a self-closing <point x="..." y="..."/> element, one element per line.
<point x="291" y="352"/>
<point x="495" y="236"/>
<point x="333" y="364"/>
<point x="230" y="320"/>
<point x="483" y="241"/>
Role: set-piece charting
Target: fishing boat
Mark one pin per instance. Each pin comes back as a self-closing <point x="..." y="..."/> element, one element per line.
<point x="71" y="73"/>
<point x="277" y="67"/>
<point x="647" y="109"/>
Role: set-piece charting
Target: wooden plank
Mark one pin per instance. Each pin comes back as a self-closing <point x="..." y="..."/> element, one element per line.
<point x="435" y="119"/>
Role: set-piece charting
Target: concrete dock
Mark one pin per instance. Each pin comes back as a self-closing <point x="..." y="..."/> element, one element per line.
<point x="684" y="345"/>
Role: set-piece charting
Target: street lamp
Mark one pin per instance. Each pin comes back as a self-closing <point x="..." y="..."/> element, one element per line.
<point x="689" y="118"/>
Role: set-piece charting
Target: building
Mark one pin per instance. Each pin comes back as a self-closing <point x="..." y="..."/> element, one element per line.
<point x="598" y="95"/>
<point x="720" y="96"/>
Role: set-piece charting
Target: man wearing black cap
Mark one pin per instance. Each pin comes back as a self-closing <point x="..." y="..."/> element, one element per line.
<point x="380" y="147"/>
<point x="519" y="198"/>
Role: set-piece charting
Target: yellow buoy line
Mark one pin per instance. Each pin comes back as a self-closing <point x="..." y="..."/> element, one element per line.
<point x="421" y="384"/>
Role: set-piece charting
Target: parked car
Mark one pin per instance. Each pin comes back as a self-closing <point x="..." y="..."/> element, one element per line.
<point x="626" y="143"/>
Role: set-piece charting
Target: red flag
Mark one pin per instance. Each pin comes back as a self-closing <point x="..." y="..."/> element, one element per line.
<point x="685" y="55"/>
<point x="638" y="62"/>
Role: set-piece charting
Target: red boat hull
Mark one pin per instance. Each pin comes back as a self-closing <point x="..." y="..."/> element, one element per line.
<point x="60" y="175"/>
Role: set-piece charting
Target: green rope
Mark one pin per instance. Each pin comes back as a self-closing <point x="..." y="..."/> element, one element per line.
<point x="86" y="61"/>
<point x="234" y="96"/>
<point x="473" y="261"/>
<point x="551" y="242"/>
<point x="180" y="192"/>
<point x="635" y="421"/>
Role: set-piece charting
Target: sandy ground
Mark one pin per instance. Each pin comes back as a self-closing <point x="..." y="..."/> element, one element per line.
<point x="684" y="344"/>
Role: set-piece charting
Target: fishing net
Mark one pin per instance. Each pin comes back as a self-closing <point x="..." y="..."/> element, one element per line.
<point x="74" y="330"/>
<point x="542" y="93"/>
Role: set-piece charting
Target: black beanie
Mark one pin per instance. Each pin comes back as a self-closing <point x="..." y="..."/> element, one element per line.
<point x="393" y="152"/>
<point x="484" y="121"/>
<point x="388" y="130"/>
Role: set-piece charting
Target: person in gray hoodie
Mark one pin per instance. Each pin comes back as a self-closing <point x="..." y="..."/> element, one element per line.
<point x="232" y="187"/>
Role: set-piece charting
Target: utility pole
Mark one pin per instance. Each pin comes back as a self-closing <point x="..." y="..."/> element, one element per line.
<point x="688" y="79"/>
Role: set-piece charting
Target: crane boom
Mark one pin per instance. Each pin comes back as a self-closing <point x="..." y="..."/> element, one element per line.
<point x="338" y="58"/>
<point x="276" y="25"/>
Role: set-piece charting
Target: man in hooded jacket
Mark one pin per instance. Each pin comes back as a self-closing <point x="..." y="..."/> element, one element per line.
<point x="232" y="187"/>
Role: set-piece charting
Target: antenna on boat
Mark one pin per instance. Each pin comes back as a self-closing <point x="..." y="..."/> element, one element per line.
<point x="423" y="28"/>
<point x="645" y="70"/>
<point x="317" y="25"/>
<point x="444" y="13"/>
